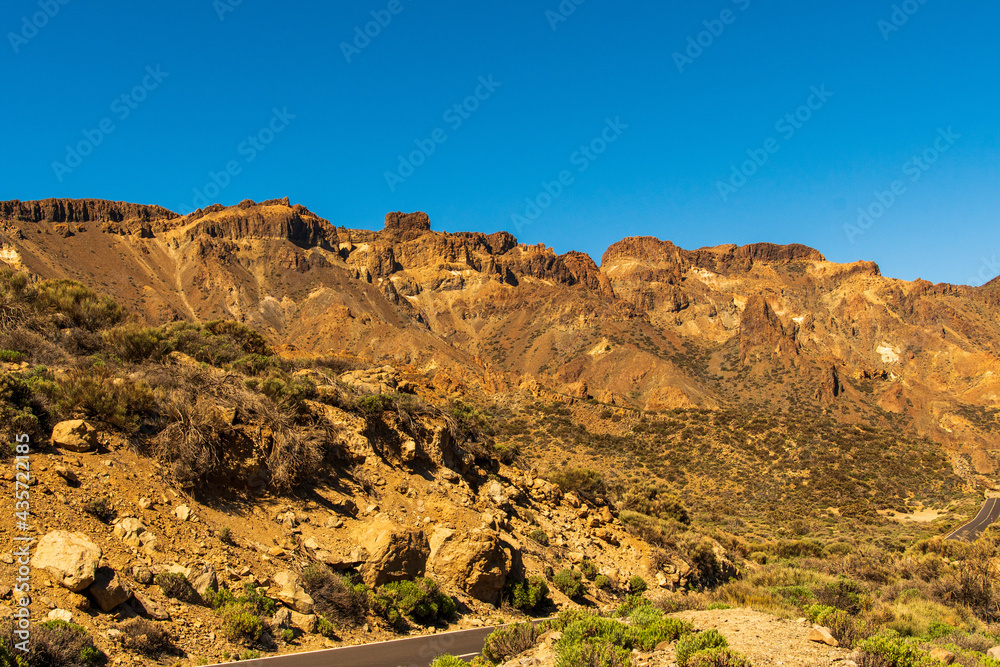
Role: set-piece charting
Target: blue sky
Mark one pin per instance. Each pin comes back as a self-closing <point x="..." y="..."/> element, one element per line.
<point x="576" y="124"/>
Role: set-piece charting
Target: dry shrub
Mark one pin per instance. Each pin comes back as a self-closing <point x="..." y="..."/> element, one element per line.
<point x="335" y="596"/>
<point x="145" y="637"/>
<point x="296" y="454"/>
<point x="191" y="444"/>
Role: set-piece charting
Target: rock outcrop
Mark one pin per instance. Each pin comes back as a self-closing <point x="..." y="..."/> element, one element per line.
<point x="74" y="435"/>
<point x="70" y="559"/>
<point x="474" y="561"/>
<point x="395" y="553"/>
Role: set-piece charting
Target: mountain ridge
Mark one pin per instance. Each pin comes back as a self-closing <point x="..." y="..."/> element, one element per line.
<point x="653" y="327"/>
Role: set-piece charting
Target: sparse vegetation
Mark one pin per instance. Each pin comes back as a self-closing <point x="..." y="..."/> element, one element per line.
<point x="100" y="508"/>
<point x="175" y="585"/>
<point x="504" y="643"/>
<point x="569" y="583"/>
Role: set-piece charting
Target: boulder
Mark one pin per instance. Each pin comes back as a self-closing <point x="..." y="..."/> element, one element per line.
<point x="145" y="606"/>
<point x="108" y="590"/>
<point x="202" y="578"/>
<point x="129" y="530"/>
<point x="76" y="435"/>
<point x="304" y="622"/>
<point x="288" y="590"/>
<point x="994" y="653"/>
<point x="70" y="559"/>
<point x="183" y="512"/>
<point x="822" y="635"/>
<point x="142" y="575"/>
<point x="282" y="619"/>
<point x="60" y="615"/>
<point x="944" y="656"/>
<point x="394" y="552"/>
<point x="474" y="561"/>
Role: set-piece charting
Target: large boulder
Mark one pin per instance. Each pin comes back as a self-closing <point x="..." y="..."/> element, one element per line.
<point x="475" y="561"/>
<point x="75" y="435"/>
<point x="395" y="553"/>
<point x="108" y="590"/>
<point x="70" y="559"/>
<point x="288" y="590"/>
<point x="202" y="578"/>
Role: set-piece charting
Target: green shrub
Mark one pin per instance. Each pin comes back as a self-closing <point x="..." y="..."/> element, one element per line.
<point x="53" y="643"/>
<point x="510" y="640"/>
<point x="529" y="595"/>
<point x="96" y="393"/>
<point x="585" y="482"/>
<point x="72" y="304"/>
<point x="419" y="600"/>
<point x="891" y="650"/>
<point x="373" y="404"/>
<point x="448" y="660"/>
<point x="592" y="640"/>
<point x="326" y="628"/>
<point x="689" y="645"/>
<point x="588" y="569"/>
<point x="219" y="598"/>
<point x="637" y="585"/>
<point x="717" y="605"/>
<point x="539" y="535"/>
<point x="240" y="624"/>
<point x="175" y="585"/>
<point x="100" y="508"/>
<point x="602" y="582"/>
<point x="11" y="356"/>
<point x="226" y="536"/>
<point x="718" y="657"/>
<point x="21" y="411"/>
<point x="568" y="582"/>
<point x="287" y="635"/>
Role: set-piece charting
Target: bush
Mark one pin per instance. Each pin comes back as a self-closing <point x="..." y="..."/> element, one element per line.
<point x="335" y="596"/>
<point x="602" y="582"/>
<point x="568" y="582"/>
<point x="889" y="649"/>
<point x="240" y="624"/>
<point x="175" y="585"/>
<point x="145" y="637"/>
<point x="96" y="393"/>
<point x="529" y="595"/>
<point x="100" y="508"/>
<point x="419" y="600"/>
<point x="53" y="644"/>
<point x="718" y="657"/>
<point x="20" y="409"/>
<point x="689" y="645"/>
<point x="539" y="535"/>
<point x="585" y="482"/>
<point x="506" y="642"/>
<point x="637" y="585"/>
<point x="588" y="569"/>
<point x="72" y="304"/>
<point x="226" y="536"/>
<point x="591" y="640"/>
<point x="448" y="660"/>
<point x="655" y="500"/>
<point x="11" y="356"/>
<point x="325" y="628"/>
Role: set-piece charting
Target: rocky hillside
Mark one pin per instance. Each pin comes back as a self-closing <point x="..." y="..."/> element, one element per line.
<point x="654" y="327"/>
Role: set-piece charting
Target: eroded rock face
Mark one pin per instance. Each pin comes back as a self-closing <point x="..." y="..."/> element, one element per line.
<point x="70" y="559"/>
<point x="80" y="210"/>
<point x="475" y="561"/>
<point x="395" y="553"/>
<point x="76" y="435"/>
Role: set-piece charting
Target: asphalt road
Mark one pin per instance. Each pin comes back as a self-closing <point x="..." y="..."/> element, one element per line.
<point x="970" y="531"/>
<point x="408" y="652"/>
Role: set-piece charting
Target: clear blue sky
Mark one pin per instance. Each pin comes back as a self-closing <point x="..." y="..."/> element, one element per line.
<point x="560" y="82"/>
